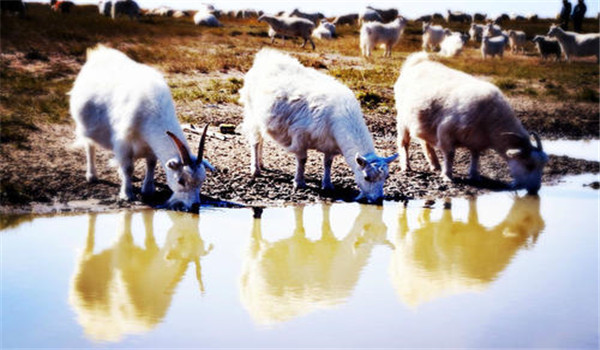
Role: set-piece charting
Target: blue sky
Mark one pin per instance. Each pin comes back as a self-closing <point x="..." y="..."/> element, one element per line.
<point x="409" y="8"/>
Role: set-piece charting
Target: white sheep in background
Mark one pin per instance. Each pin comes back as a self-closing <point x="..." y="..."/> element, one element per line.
<point x="493" y="46"/>
<point x="205" y="18"/>
<point x="574" y="44"/>
<point x="290" y="26"/>
<point x="547" y="46"/>
<point x="304" y="109"/>
<point x="492" y="30"/>
<point x="433" y="35"/>
<point x="452" y="45"/>
<point x="517" y="40"/>
<point x="368" y="15"/>
<point x="126" y="107"/>
<point x="476" y="32"/>
<point x="325" y="30"/>
<point x="449" y="109"/>
<point x="373" y="33"/>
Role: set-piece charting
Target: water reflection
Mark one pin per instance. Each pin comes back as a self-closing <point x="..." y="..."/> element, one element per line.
<point x="127" y="289"/>
<point x="445" y="257"/>
<point x="294" y="276"/>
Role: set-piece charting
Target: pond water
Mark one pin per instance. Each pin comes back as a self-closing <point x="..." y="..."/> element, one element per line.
<point x="580" y="149"/>
<point x="498" y="271"/>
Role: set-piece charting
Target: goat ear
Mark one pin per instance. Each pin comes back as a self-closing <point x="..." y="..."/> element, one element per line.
<point x="361" y="161"/>
<point x="173" y="164"/>
<point x="514" y="153"/>
<point x="391" y="158"/>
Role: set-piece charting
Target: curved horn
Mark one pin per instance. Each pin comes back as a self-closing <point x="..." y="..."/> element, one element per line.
<point x="538" y="142"/>
<point x="183" y="152"/>
<point x="201" y="146"/>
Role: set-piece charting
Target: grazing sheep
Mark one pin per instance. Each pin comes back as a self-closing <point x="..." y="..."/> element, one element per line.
<point x="447" y="108"/>
<point x="325" y="30"/>
<point x="452" y="45"/>
<point x="313" y="17"/>
<point x="304" y="109"/>
<point x="126" y="107"/>
<point x="547" y="46"/>
<point x="574" y="44"/>
<point x="368" y="15"/>
<point x="290" y="26"/>
<point x="128" y="8"/>
<point x="373" y="33"/>
<point x="458" y="16"/>
<point x="476" y="32"/>
<point x="517" y="40"/>
<point x="206" y="19"/>
<point x="433" y="36"/>
<point x="387" y="16"/>
<point x="349" y="19"/>
<point x="105" y="7"/>
<point x="479" y="17"/>
<point x="180" y="14"/>
<point x="493" y="46"/>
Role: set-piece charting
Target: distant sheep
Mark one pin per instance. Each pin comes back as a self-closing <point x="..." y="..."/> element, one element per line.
<point x="452" y="45"/>
<point x="458" y="16"/>
<point x="290" y="26"/>
<point x="127" y="107"/>
<point x="517" y="40"/>
<point x="349" y="19"/>
<point x="493" y="46"/>
<point x="325" y="30"/>
<point x="304" y="109"/>
<point x="547" y="46"/>
<point x="574" y="44"/>
<point x="479" y="17"/>
<point x="462" y="111"/>
<point x="313" y="17"/>
<point x="387" y="16"/>
<point x="373" y="33"/>
<point x="476" y="32"/>
<point x="128" y="8"/>
<point x="368" y="15"/>
<point x="433" y="35"/>
<point x="206" y="19"/>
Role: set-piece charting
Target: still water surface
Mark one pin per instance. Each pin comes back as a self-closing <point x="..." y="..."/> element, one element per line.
<point x="498" y="271"/>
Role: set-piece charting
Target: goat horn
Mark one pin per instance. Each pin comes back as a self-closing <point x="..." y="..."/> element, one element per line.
<point x="538" y="142"/>
<point x="201" y="146"/>
<point x="183" y="152"/>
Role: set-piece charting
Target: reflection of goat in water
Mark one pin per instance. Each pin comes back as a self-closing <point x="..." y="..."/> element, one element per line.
<point x="449" y="257"/>
<point x="294" y="276"/>
<point x="128" y="289"/>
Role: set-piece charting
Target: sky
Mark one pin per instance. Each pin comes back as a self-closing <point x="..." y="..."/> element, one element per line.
<point x="408" y="8"/>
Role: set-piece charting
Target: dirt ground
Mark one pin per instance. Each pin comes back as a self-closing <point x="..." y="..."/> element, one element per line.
<point x="48" y="173"/>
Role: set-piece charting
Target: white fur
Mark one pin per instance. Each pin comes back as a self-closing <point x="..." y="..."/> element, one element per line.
<point x="517" y="40"/>
<point x="452" y="45"/>
<point x="127" y="107"/>
<point x="574" y="44"/>
<point x="476" y="31"/>
<point x="433" y="35"/>
<point x="493" y="46"/>
<point x="304" y="109"/>
<point x="547" y="46"/>
<point x="325" y="30"/>
<point x="289" y="26"/>
<point x="446" y="108"/>
<point x="492" y="30"/>
<point x="373" y="33"/>
<point x="206" y="18"/>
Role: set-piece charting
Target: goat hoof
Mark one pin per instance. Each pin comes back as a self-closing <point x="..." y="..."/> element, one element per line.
<point x="299" y="185"/>
<point x="91" y="178"/>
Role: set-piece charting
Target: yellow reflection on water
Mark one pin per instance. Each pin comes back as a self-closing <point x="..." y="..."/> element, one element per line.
<point x="445" y="257"/>
<point x="294" y="276"/>
<point x="127" y="289"/>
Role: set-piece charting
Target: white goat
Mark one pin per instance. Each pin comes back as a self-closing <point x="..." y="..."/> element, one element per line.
<point x="433" y="35"/>
<point x="325" y="30"/>
<point x="547" y="46"/>
<point x="304" y="109"/>
<point x="207" y="19"/>
<point x="290" y="26"/>
<point x="517" y="40"/>
<point x="476" y="32"/>
<point x="447" y="108"/>
<point x="493" y="46"/>
<point x="373" y="33"/>
<point x="574" y="44"/>
<point x="452" y="45"/>
<point x="127" y="107"/>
